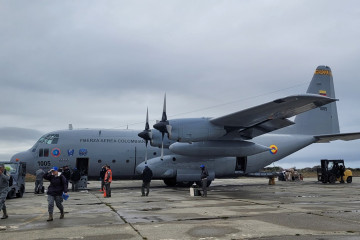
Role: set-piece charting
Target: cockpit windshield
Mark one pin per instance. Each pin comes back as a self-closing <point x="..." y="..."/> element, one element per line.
<point x="49" y="139"/>
<point x="10" y="168"/>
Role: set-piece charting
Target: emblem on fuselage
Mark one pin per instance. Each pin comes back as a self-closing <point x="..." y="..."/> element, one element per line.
<point x="55" y="152"/>
<point x="83" y="152"/>
<point x="274" y="149"/>
<point x="71" y="152"/>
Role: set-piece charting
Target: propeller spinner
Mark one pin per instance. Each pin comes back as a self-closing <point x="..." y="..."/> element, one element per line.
<point x="146" y="134"/>
<point x="163" y="126"/>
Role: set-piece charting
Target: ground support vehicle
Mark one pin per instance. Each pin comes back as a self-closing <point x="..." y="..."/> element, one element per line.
<point x="17" y="171"/>
<point x="331" y="171"/>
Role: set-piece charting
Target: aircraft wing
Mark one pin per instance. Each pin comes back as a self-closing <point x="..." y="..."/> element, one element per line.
<point x="339" y="136"/>
<point x="270" y="116"/>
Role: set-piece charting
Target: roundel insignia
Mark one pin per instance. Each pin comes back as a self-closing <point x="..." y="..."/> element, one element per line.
<point x="55" y="152"/>
<point x="274" y="149"/>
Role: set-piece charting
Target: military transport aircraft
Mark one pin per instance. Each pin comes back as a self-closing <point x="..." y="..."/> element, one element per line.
<point x="236" y="144"/>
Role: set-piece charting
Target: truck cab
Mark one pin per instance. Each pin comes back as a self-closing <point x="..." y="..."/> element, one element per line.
<point x="17" y="171"/>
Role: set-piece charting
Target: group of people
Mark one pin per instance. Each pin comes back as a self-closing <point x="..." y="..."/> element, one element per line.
<point x="106" y="179"/>
<point x="71" y="176"/>
<point x="59" y="179"/>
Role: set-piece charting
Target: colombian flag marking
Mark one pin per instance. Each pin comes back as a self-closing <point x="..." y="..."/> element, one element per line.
<point x="274" y="149"/>
<point x="322" y="92"/>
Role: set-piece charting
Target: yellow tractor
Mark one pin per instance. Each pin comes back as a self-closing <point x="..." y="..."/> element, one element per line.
<point x="332" y="171"/>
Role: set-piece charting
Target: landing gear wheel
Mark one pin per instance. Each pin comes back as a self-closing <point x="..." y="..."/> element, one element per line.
<point x="21" y="192"/>
<point x="170" y="182"/>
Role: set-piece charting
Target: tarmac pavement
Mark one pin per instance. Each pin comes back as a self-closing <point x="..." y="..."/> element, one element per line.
<point x="245" y="208"/>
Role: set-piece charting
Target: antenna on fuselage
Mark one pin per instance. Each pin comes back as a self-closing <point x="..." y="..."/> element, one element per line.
<point x="70" y="126"/>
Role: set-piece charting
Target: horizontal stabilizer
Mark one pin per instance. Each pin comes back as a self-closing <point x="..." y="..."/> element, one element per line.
<point x="340" y="136"/>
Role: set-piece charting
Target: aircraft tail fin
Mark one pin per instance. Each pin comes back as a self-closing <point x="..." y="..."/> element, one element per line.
<point x="322" y="120"/>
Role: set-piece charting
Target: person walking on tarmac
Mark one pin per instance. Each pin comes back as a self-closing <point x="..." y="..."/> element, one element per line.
<point x="146" y="177"/>
<point x="39" y="181"/>
<point x="204" y="175"/>
<point x="107" y="182"/>
<point x="57" y="187"/>
<point x="4" y="189"/>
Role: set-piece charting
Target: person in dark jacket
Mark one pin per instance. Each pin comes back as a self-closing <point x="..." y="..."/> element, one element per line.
<point x="146" y="177"/>
<point x="67" y="174"/>
<point x="204" y="175"/>
<point x="4" y="189"/>
<point x="75" y="178"/>
<point x="57" y="187"/>
<point x="102" y="176"/>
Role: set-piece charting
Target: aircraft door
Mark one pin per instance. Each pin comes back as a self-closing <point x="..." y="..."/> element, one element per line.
<point x="241" y="163"/>
<point x="82" y="164"/>
<point x="128" y="166"/>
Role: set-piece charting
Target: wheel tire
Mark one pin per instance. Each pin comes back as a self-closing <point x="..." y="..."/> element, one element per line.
<point x="170" y="182"/>
<point x="11" y="193"/>
<point x="21" y="192"/>
<point x="349" y="179"/>
<point x="332" y="179"/>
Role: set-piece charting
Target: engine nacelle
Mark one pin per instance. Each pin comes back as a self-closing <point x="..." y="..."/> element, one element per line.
<point x="156" y="140"/>
<point x="218" y="148"/>
<point x="194" y="130"/>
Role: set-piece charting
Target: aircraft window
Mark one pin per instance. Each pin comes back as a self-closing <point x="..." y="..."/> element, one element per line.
<point x="127" y="161"/>
<point x="154" y="153"/>
<point x="46" y="152"/>
<point x="113" y="161"/>
<point x="174" y="159"/>
<point x="43" y="152"/>
<point x="49" y="139"/>
<point x="99" y="161"/>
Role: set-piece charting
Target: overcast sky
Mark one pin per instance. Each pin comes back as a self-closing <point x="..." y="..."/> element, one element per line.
<point x="100" y="64"/>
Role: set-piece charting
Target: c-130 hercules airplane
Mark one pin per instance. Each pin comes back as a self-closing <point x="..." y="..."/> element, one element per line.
<point x="236" y="144"/>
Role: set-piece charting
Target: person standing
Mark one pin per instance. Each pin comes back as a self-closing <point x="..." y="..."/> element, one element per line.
<point x="146" y="177"/>
<point x="4" y="189"/>
<point x="75" y="177"/>
<point x="57" y="187"/>
<point x="102" y="176"/>
<point x="67" y="174"/>
<point x="39" y="181"/>
<point x="107" y="182"/>
<point x="204" y="175"/>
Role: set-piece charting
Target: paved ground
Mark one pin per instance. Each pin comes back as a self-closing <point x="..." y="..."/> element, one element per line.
<point x="235" y="209"/>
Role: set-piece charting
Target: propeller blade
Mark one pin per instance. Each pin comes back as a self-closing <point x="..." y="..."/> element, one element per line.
<point x="162" y="150"/>
<point x="168" y="129"/>
<point x="164" y="117"/>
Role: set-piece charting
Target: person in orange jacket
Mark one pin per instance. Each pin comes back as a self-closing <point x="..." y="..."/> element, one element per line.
<point x="107" y="181"/>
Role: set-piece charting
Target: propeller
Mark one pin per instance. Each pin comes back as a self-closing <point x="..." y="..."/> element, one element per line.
<point x="146" y="134"/>
<point x="164" y="127"/>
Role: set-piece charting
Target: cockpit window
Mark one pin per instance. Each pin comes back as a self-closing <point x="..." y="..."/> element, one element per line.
<point x="49" y="139"/>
